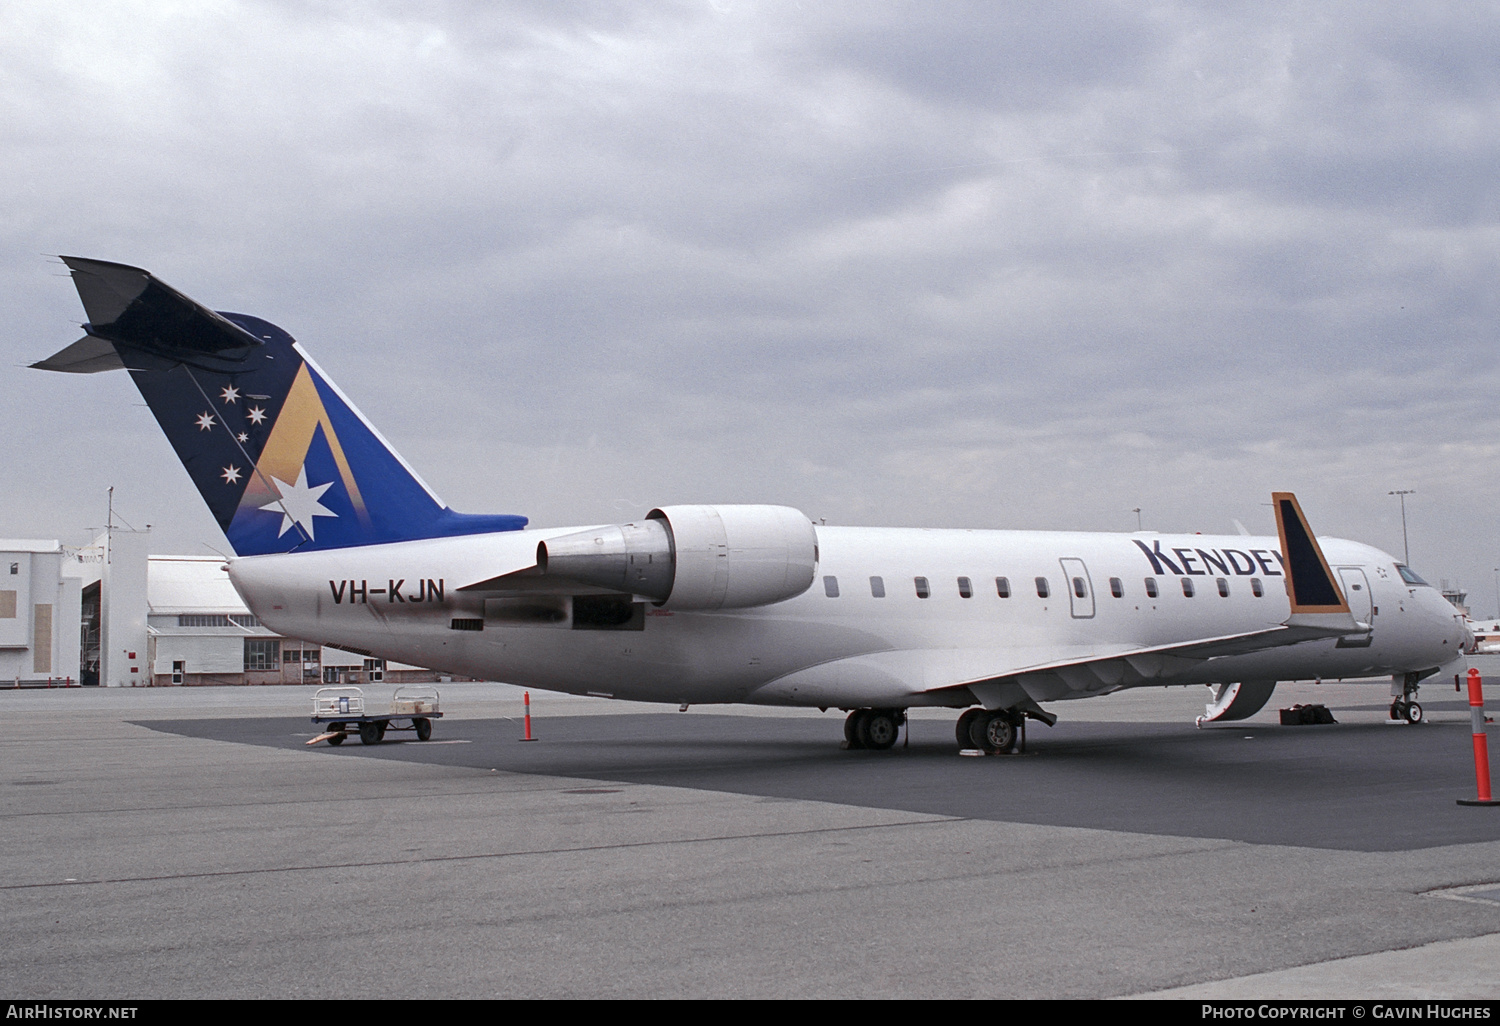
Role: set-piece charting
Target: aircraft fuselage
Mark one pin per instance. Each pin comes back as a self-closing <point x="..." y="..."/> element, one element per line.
<point x="840" y="643"/>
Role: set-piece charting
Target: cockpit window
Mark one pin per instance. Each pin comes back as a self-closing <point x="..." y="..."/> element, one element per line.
<point x="1410" y="577"/>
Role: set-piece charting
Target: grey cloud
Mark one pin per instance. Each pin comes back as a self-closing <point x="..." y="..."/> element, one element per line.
<point x="997" y="265"/>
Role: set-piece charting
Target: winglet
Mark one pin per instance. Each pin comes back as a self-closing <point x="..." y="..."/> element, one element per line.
<point x="1316" y="598"/>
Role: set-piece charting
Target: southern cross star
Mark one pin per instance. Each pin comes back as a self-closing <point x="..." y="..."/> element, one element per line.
<point x="230" y="394"/>
<point x="299" y="503"/>
<point x="205" y="421"/>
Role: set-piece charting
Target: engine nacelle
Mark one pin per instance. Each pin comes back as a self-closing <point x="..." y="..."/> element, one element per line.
<point x="694" y="557"/>
<point x="733" y="557"/>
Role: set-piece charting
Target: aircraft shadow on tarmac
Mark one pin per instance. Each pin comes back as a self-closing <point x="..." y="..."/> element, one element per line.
<point x="1359" y="787"/>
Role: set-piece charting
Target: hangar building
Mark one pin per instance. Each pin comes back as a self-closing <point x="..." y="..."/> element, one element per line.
<point x="39" y="612"/>
<point x="112" y="614"/>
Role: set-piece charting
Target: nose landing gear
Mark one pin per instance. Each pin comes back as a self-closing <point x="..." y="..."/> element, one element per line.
<point x="1411" y="712"/>
<point x="1404" y="689"/>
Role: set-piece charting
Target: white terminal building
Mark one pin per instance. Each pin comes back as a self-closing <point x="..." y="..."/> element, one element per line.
<point x="114" y="615"/>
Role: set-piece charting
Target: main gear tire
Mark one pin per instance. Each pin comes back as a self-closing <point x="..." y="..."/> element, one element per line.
<point x="878" y="729"/>
<point x="961" y="728"/>
<point x="851" y="729"/>
<point x="999" y="734"/>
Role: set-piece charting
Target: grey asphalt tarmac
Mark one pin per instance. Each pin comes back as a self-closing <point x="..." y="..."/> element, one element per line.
<point x="188" y="843"/>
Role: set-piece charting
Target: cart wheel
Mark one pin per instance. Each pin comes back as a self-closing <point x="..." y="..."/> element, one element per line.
<point x="337" y="739"/>
<point x="369" y="733"/>
<point x="424" y="727"/>
<point x="381" y="725"/>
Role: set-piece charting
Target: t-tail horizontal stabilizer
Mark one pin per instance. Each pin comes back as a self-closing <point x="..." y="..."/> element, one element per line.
<point x="280" y="455"/>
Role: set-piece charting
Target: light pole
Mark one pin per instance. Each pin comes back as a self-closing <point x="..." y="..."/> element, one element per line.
<point x="1497" y="594"/>
<point x="1137" y="512"/>
<point x="1405" y="548"/>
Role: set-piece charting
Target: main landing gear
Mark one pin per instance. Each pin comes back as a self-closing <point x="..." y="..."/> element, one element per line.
<point x="1405" y="706"/>
<point x="1000" y="732"/>
<point x="873" y="728"/>
<point x="993" y="733"/>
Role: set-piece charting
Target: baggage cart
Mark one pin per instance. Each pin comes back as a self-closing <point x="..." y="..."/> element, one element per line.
<point x="343" y="710"/>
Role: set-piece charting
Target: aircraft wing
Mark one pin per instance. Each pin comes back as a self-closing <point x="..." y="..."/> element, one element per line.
<point x="1001" y="678"/>
<point x="1017" y="677"/>
<point x="1319" y="610"/>
<point x="1130" y="667"/>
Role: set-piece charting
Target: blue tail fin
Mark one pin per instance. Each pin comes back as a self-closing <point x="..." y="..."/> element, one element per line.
<point x="282" y="458"/>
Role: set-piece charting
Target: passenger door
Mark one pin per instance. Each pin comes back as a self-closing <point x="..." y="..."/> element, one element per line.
<point x="1361" y="605"/>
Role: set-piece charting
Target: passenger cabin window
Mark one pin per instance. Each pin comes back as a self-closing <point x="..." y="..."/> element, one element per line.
<point x="922" y="589"/>
<point x="1223" y="588"/>
<point x="877" y="587"/>
<point x="1042" y="589"/>
<point x="965" y="589"/>
<point x="831" y="587"/>
<point x="1255" y="587"/>
<point x="1002" y="587"/>
<point x="1151" y="587"/>
<point x="1187" y="586"/>
<point x="1117" y="587"/>
<point x="1080" y="588"/>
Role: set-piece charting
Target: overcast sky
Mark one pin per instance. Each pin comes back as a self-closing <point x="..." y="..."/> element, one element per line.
<point x="918" y="264"/>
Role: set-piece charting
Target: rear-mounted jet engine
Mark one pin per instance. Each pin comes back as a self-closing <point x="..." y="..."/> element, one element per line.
<point x="693" y="558"/>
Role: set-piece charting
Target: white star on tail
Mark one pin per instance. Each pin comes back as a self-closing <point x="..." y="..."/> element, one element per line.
<point x="205" y="421"/>
<point x="230" y="394"/>
<point x="299" y="503"/>
<point x="257" y="414"/>
<point x="231" y="474"/>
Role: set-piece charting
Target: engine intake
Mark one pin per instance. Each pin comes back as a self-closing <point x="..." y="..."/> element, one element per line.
<point x="694" y="557"/>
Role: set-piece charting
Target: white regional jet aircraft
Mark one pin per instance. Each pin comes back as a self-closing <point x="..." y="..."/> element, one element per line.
<point x="338" y="541"/>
